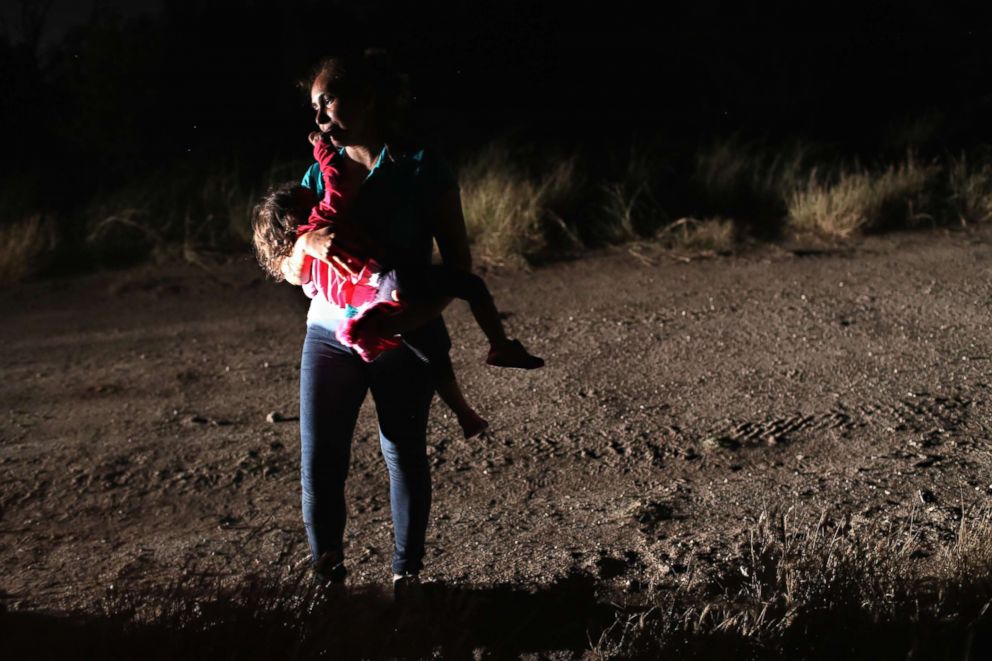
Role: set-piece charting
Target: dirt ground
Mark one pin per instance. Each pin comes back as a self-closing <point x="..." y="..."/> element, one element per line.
<point x="680" y="400"/>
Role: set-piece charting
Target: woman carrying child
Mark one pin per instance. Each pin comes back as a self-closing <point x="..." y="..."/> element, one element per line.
<point x="375" y="201"/>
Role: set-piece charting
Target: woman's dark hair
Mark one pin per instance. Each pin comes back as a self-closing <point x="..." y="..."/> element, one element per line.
<point x="274" y="222"/>
<point x="367" y="73"/>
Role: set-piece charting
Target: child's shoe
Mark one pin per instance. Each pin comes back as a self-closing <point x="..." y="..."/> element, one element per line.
<point x="513" y="354"/>
<point x="472" y="424"/>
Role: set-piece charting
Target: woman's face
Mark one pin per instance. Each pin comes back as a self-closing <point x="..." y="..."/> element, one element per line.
<point x="343" y="117"/>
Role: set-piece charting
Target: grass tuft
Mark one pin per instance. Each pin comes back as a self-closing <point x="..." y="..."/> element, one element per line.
<point x="849" y="202"/>
<point x="971" y="191"/>
<point x="26" y="247"/>
<point x="509" y="211"/>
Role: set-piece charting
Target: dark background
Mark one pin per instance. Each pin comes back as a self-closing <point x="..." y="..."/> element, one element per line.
<point x="101" y="95"/>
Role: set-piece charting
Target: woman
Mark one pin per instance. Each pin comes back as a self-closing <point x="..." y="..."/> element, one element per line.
<point x="402" y="198"/>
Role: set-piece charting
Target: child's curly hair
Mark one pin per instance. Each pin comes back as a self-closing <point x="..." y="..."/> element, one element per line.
<point x="274" y="222"/>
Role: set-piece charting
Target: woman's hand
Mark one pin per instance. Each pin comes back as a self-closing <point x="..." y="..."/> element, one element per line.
<point x="319" y="244"/>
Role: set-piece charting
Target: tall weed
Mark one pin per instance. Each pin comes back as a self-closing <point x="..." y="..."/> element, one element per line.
<point x="508" y="210"/>
<point x="971" y="191"/>
<point x="849" y="201"/>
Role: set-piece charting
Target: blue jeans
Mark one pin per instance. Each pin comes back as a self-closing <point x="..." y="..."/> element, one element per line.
<point x="333" y="384"/>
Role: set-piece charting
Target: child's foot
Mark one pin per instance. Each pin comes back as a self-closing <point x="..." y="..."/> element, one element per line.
<point x="362" y="334"/>
<point x="513" y="354"/>
<point x="472" y="424"/>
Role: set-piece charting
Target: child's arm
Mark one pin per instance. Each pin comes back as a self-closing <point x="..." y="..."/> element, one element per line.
<point x="353" y="246"/>
<point x="323" y="153"/>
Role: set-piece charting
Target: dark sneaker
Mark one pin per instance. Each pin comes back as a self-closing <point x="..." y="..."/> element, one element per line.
<point x="513" y="354"/>
<point x="406" y="587"/>
<point x="329" y="569"/>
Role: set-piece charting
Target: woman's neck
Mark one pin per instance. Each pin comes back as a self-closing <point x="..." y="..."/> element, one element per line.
<point x="365" y="154"/>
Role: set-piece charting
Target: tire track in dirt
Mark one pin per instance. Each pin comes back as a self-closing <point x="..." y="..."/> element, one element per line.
<point x="919" y="413"/>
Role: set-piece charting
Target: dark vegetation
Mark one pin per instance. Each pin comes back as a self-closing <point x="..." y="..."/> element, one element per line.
<point x="128" y="136"/>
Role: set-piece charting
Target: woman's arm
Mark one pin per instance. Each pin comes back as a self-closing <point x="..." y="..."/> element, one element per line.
<point x="449" y="231"/>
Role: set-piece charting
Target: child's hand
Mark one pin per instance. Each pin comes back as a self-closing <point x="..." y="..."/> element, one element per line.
<point x="317" y="136"/>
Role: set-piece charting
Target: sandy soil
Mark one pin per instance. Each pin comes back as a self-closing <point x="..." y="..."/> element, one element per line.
<point x="680" y="400"/>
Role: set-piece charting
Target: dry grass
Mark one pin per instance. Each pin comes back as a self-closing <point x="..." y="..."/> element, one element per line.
<point x="26" y="247"/>
<point x="630" y="209"/>
<point x="620" y="210"/>
<point x="823" y="588"/>
<point x="727" y="167"/>
<point x="709" y="235"/>
<point x="853" y="201"/>
<point x="519" y="211"/>
<point x="507" y="210"/>
<point x="971" y="191"/>
<point x="747" y="179"/>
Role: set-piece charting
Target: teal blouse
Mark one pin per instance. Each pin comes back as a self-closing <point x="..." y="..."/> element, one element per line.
<point x="395" y="202"/>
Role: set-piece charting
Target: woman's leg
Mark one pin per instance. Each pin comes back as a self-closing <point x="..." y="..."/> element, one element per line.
<point x="333" y="383"/>
<point x="402" y="389"/>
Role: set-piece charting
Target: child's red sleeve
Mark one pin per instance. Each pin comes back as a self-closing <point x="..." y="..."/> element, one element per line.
<point x="324" y="153"/>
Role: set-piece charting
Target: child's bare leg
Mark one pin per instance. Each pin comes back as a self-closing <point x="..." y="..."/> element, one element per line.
<point x="471" y="422"/>
<point x="503" y="352"/>
<point x="487" y="317"/>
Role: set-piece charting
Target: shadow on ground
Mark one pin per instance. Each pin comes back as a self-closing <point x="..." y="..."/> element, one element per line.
<point x="262" y="620"/>
<point x="262" y="623"/>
